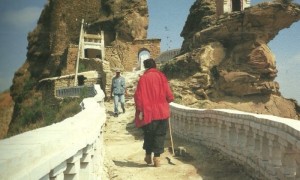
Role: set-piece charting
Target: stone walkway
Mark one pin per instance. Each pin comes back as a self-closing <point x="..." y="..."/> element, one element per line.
<point x="124" y="155"/>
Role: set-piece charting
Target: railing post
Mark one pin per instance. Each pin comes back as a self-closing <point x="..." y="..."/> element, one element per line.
<point x="289" y="166"/>
<point x="86" y="163"/>
<point x="73" y="167"/>
<point x="232" y="139"/>
<point x="250" y="145"/>
<point x="241" y="139"/>
<point x="222" y="135"/>
<point x="58" y="172"/>
<point x="274" y="156"/>
<point x="264" y="151"/>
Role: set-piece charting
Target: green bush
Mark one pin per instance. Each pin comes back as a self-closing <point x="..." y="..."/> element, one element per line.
<point x="31" y="114"/>
<point x="68" y="108"/>
<point x="40" y="114"/>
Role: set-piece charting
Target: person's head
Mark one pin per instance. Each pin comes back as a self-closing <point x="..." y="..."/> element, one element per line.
<point x="118" y="72"/>
<point x="149" y="63"/>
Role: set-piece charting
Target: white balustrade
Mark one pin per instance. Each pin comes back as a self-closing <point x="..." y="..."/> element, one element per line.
<point x="268" y="146"/>
<point x="71" y="149"/>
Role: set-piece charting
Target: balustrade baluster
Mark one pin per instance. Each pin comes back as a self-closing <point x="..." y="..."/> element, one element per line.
<point x="232" y="139"/>
<point x="250" y="144"/>
<point x="264" y="151"/>
<point x="241" y="140"/>
<point x="86" y="163"/>
<point x="58" y="172"/>
<point x="222" y="135"/>
<point x="289" y="164"/>
<point x="274" y="156"/>
<point x="73" y="167"/>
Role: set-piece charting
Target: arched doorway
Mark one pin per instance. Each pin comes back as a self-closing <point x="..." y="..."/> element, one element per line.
<point x="236" y="5"/>
<point x="142" y="55"/>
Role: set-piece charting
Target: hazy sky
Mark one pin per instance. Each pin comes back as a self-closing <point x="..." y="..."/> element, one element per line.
<point x="166" y="20"/>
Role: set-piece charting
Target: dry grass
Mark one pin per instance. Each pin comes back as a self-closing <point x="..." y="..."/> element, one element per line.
<point x="6" y="110"/>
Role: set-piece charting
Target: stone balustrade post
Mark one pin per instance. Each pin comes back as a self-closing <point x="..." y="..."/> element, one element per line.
<point x="186" y="127"/>
<point x="182" y="125"/>
<point x="202" y="129"/>
<point x="297" y="159"/>
<point x="86" y="163"/>
<point x="275" y="163"/>
<point x="222" y="135"/>
<point x="73" y="167"/>
<point x="231" y="139"/>
<point x="190" y="128"/>
<point x="289" y="165"/>
<point x="264" y="151"/>
<point x="215" y="131"/>
<point x="250" y="142"/>
<point x="57" y="173"/>
<point x="197" y="128"/>
<point x="256" y="151"/>
<point x="208" y="131"/>
<point x="241" y="140"/>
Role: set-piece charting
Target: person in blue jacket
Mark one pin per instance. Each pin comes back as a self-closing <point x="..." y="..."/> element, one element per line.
<point x="118" y="90"/>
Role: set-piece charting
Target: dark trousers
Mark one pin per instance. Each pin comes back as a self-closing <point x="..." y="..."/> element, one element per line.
<point x="154" y="136"/>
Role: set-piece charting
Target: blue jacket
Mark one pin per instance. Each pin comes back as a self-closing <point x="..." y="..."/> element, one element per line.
<point x="118" y="85"/>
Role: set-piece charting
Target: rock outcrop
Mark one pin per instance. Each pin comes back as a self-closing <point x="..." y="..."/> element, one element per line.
<point x="59" y="27"/>
<point x="231" y="59"/>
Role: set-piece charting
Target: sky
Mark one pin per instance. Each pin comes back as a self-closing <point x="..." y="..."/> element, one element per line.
<point x="166" y="20"/>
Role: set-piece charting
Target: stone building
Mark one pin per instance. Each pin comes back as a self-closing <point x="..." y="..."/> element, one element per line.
<point x="227" y="6"/>
<point x="63" y="86"/>
<point x="126" y="55"/>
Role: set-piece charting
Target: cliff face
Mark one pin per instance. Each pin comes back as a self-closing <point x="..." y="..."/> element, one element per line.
<point x="232" y="63"/>
<point x="58" y="27"/>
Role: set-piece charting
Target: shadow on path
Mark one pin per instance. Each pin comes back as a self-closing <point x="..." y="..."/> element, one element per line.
<point x="129" y="164"/>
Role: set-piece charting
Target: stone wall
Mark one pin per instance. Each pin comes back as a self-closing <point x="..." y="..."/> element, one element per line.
<point x="71" y="60"/>
<point x="268" y="146"/>
<point x="126" y="55"/>
<point x="137" y="46"/>
<point x="49" y="86"/>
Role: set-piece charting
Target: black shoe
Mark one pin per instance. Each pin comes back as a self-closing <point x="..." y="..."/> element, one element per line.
<point x="116" y="114"/>
<point x="123" y="110"/>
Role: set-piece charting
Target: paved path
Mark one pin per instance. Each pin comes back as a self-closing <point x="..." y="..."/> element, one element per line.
<point x="125" y="155"/>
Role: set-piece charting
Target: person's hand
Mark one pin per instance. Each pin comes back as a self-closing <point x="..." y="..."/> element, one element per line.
<point x="141" y="116"/>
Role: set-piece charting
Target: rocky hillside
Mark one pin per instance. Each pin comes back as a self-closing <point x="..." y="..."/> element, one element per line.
<point x="58" y="27"/>
<point x="226" y="62"/>
<point x="6" y="110"/>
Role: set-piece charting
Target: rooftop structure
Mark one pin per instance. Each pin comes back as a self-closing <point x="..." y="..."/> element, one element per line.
<point x="228" y="6"/>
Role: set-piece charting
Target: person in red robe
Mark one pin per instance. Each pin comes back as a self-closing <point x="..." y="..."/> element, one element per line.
<point x="152" y="98"/>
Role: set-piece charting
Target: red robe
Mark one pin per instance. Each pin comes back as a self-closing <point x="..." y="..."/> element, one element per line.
<point x="152" y="97"/>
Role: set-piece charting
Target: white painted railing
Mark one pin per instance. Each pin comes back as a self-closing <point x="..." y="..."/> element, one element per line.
<point x="75" y="91"/>
<point x="268" y="146"/>
<point x="71" y="149"/>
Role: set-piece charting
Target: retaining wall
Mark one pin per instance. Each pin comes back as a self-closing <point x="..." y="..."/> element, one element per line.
<point x="268" y="146"/>
<point x="71" y="149"/>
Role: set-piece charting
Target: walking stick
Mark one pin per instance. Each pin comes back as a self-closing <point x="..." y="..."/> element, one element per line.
<point x="170" y="129"/>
